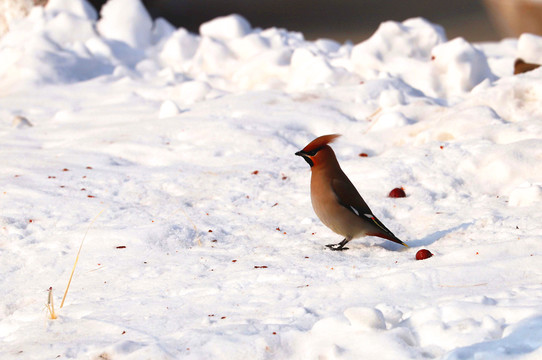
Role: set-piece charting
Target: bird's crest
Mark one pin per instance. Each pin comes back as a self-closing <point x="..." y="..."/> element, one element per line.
<point x="320" y="142"/>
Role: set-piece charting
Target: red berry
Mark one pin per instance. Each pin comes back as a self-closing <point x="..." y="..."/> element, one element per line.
<point x="397" y="193"/>
<point x="423" y="254"/>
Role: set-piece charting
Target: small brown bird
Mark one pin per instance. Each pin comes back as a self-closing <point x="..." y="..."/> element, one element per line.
<point x="335" y="199"/>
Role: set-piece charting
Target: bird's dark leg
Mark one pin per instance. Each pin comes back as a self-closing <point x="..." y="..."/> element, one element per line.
<point x="339" y="246"/>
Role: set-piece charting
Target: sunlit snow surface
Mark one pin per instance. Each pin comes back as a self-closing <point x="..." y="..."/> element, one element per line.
<point x="180" y="147"/>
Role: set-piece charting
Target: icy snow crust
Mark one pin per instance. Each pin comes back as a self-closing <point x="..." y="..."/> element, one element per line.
<point x="180" y="147"/>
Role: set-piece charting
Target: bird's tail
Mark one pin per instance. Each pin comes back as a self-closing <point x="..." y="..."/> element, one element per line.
<point x="390" y="237"/>
<point x="385" y="233"/>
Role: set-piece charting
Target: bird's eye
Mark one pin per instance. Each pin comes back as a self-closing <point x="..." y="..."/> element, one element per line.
<point x="313" y="152"/>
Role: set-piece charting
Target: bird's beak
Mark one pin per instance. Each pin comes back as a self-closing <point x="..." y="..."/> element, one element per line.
<point x="305" y="156"/>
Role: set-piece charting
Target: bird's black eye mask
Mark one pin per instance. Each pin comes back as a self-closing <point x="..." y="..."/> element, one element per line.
<point x="307" y="155"/>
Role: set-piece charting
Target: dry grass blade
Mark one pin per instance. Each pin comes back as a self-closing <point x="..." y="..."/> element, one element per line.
<point x="50" y="304"/>
<point x="77" y="258"/>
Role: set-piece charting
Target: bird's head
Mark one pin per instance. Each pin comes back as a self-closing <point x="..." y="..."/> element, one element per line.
<point x="318" y="151"/>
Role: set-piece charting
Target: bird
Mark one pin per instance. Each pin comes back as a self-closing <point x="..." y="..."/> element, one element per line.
<point x="335" y="199"/>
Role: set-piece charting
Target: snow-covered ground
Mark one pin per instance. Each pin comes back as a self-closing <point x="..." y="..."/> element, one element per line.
<point x="175" y="151"/>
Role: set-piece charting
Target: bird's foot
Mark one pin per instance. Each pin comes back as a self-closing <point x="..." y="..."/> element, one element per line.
<point x="339" y="246"/>
<point x="336" y="247"/>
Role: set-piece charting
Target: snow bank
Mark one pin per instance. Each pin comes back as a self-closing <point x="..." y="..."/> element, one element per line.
<point x="231" y="55"/>
<point x="172" y="155"/>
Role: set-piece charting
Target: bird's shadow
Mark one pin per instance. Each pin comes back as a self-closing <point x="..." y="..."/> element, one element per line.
<point x="428" y="240"/>
<point x="432" y="238"/>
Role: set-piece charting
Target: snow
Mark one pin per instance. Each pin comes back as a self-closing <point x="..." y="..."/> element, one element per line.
<point x="226" y="28"/>
<point x="170" y="157"/>
<point x="530" y="47"/>
<point x="125" y="21"/>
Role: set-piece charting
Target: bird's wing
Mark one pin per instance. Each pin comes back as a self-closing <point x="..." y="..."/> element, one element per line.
<point x="348" y="196"/>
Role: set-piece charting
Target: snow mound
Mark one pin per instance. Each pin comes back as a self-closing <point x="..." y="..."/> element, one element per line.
<point x="526" y="195"/>
<point x="458" y="67"/>
<point x="79" y="8"/>
<point x="226" y="28"/>
<point x="530" y="48"/>
<point x="168" y="109"/>
<point x="365" y="318"/>
<point x="126" y="21"/>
